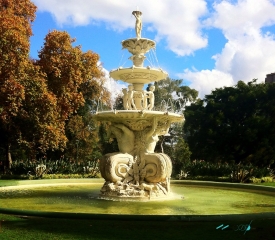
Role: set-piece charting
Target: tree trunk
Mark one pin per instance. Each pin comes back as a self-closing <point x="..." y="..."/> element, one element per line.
<point x="8" y="161"/>
<point x="159" y="145"/>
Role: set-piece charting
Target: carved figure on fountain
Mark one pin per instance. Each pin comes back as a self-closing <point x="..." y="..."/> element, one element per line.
<point x="125" y="137"/>
<point x="151" y="97"/>
<point x="125" y="99"/>
<point x="127" y="176"/>
<point x="130" y="98"/>
<point x="138" y="26"/>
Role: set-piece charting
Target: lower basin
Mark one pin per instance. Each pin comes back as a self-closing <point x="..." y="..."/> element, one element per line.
<point x="188" y="199"/>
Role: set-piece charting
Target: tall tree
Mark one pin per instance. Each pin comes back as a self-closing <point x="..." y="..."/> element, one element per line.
<point x="77" y="81"/>
<point x="173" y="95"/>
<point x="234" y="123"/>
<point x="15" y="30"/>
<point x="38" y="97"/>
<point x="72" y="75"/>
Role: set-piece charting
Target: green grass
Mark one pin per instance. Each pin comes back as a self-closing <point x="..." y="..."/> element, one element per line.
<point x="45" y="181"/>
<point x="4" y="183"/>
<point x="272" y="184"/>
<point x="14" y="227"/>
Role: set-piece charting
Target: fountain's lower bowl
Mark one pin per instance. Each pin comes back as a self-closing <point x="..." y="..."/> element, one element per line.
<point x="192" y="200"/>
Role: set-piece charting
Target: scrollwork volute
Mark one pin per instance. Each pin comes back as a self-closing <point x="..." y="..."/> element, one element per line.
<point x="136" y="170"/>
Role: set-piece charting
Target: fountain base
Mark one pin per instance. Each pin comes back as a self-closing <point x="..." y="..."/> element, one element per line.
<point x="144" y="191"/>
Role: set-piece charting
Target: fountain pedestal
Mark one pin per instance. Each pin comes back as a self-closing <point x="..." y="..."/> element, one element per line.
<point x="136" y="171"/>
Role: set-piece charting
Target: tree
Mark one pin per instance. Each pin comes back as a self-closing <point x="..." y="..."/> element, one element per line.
<point x="173" y="94"/>
<point x="233" y="123"/>
<point x="15" y="29"/>
<point x="39" y="126"/>
<point x="37" y="97"/>
<point x="77" y="81"/>
<point x="84" y="140"/>
<point x="71" y="74"/>
<point x="181" y="155"/>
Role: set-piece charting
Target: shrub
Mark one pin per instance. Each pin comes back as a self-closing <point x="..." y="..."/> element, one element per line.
<point x="234" y="172"/>
<point x="38" y="169"/>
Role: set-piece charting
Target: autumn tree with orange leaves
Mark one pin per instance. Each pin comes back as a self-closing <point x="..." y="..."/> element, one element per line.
<point x="71" y="74"/>
<point x="27" y="109"/>
<point x="77" y="80"/>
<point x="38" y="97"/>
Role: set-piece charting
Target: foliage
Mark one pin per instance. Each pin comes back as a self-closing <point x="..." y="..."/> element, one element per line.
<point x="107" y="145"/>
<point x="173" y="94"/>
<point x="241" y="174"/>
<point x="234" y="172"/>
<point x="69" y="176"/>
<point x="77" y="80"/>
<point x="262" y="180"/>
<point x="233" y="123"/>
<point x="63" y="78"/>
<point x="39" y="169"/>
<point x="82" y="133"/>
<point x="118" y="104"/>
<point x="180" y="154"/>
<point x="15" y="29"/>
<point x="71" y="74"/>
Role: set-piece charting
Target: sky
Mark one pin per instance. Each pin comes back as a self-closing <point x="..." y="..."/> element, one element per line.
<point x="207" y="43"/>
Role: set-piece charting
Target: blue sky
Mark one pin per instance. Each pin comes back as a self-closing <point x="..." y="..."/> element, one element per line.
<point x="206" y="43"/>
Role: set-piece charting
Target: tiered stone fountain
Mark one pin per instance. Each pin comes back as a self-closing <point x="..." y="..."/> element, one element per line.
<point x="136" y="171"/>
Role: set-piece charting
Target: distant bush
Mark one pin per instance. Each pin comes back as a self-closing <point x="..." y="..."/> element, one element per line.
<point x="233" y="172"/>
<point x="41" y="168"/>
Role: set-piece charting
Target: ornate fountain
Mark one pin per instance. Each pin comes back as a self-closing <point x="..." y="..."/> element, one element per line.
<point x="136" y="171"/>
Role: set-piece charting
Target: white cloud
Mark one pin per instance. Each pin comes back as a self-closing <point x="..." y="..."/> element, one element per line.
<point x="243" y="15"/>
<point x="207" y="80"/>
<point x="114" y="87"/>
<point x="176" y="22"/>
<point x="249" y="53"/>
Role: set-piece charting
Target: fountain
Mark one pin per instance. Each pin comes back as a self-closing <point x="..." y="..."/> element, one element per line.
<point x="136" y="171"/>
<point x="137" y="174"/>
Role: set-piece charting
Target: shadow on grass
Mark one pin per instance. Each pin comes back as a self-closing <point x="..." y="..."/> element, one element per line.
<point x="15" y="227"/>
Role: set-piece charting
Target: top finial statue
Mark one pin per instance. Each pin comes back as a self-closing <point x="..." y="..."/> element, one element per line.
<point x="137" y="15"/>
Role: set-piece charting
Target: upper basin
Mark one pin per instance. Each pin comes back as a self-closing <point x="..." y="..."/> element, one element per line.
<point x="142" y="75"/>
<point x="138" y="46"/>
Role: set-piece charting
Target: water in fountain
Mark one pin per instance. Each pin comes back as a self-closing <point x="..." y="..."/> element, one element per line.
<point x="81" y="196"/>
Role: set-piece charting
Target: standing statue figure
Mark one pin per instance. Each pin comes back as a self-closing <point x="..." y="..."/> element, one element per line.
<point x="151" y="97"/>
<point x="130" y="96"/>
<point x="125" y="99"/>
<point x="138" y="28"/>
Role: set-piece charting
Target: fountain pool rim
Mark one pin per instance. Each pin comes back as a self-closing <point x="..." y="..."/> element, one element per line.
<point x="210" y="217"/>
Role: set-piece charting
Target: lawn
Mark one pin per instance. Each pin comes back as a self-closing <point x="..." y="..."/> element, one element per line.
<point x="21" y="227"/>
<point x="271" y="184"/>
